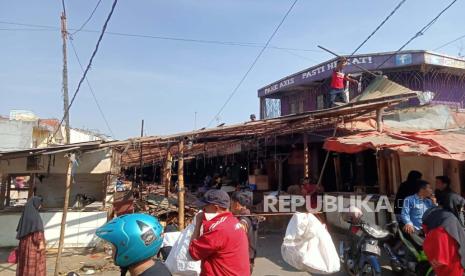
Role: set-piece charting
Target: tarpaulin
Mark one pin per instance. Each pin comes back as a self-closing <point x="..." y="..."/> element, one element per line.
<point x="445" y="144"/>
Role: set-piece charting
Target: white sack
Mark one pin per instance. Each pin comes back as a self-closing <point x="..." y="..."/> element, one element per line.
<point x="170" y="238"/>
<point x="179" y="261"/>
<point x="308" y="246"/>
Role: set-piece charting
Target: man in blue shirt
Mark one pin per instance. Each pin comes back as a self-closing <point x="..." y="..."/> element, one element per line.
<point x="415" y="206"/>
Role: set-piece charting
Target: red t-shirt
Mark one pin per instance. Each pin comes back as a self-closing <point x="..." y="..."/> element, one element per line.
<point x="223" y="247"/>
<point x="441" y="248"/>
<point x="337" y="79"/>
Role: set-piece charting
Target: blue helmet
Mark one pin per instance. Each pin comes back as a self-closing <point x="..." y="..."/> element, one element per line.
<point x="136" y="237"/>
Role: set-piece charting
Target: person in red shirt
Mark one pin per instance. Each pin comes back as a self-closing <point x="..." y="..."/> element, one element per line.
<point x="312" y="190"/>
<point x="337" y="83"/>
<point x="444" y="243"/>
<point x="222" y="247"/>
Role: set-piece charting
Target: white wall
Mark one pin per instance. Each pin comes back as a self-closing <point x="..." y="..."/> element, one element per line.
<point x="52" y="188"/>
<point x="15" y="135"/>
<point x="77" y="136"/>
<point x="80" y="228"/>
<point x="93" y="162"/>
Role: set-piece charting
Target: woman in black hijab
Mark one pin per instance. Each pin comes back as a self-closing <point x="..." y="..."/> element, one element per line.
<point x="445" y="236"/>
<point x="30" y="233"/>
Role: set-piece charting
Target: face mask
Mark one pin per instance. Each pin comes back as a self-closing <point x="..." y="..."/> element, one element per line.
<point x="210" y="216"/>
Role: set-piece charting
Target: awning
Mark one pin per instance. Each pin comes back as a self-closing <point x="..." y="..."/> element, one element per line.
<point x="445" y="144"/>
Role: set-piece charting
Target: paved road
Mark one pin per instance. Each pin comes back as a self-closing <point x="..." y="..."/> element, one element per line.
<point x="268" y="262"/>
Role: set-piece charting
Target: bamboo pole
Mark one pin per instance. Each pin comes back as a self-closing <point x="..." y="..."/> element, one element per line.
<point x="306" y="155"/>
<point x="71" y="158"/>
<point x="167" y="172"/>
<point x="181" y="186"/>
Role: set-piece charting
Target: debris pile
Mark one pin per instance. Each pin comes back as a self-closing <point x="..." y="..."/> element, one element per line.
<point x="152" y="200"/>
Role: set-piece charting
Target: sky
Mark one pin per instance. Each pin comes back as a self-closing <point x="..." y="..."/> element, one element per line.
<point x="177" y="85"/>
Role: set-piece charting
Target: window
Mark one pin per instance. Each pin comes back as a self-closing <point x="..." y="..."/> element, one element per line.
<point x="34" y="163"/>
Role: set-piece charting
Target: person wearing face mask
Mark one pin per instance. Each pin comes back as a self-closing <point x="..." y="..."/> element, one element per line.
<point x="222" y="247"/>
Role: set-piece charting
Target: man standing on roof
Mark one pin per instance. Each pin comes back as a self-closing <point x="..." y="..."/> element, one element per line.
<point x="337" y="83"/>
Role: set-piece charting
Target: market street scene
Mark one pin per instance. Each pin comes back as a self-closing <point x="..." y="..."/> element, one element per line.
<point x="232" y="138"/>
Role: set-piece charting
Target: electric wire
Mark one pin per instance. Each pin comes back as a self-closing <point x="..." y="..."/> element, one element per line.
<point x="252" y="65"/>
<point x="91" y="89"/>
<point x="419" y="33"/>
<point x="88" y="19"/>
<point x="171" y="38"/>
<point x="449" y="43"/>
<point x="64" y="7"/>
<point x="88" y="65"/>
<point x="380" y="25"/>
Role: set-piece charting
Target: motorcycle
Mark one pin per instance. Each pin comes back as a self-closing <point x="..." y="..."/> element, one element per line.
<point x="361" y="255"/>
<point x="410" y="257"/>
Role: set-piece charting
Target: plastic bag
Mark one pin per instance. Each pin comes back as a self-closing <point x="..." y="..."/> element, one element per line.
<point x="179" y="261"/>
<point x="308" y="246"/>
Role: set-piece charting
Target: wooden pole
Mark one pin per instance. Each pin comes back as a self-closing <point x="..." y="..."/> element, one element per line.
<point x="71" y="158"/>
<point x="306" y="161"/>
<point x="32" y="185"/>
<point x="64" y="36"/>
<point x="167" y="172"/>
<point x="181" y="186"/>
<point x="141" y="171"/>
<point x="379" y="119"/>
<point x="8" y="190"/>
<point x="2" y="192"/>
<point x="337" y="170"/>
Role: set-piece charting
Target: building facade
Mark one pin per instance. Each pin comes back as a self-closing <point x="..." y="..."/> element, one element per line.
<point x="417" y="70"/>
<point x="24" y="130"/>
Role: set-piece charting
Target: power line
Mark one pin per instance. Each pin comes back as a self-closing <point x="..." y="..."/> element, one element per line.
<point x="180" y="39"/>
<point x="380" y="25"/>
<point x="24" y="29"/>
<point x="63" y="4"/>
<point x="88" y="19"/>
<point x="29" y="25"/>
<point x="91" y="89"/>
<point x="89" y="64"/>
<point x="450" y="42"/>
<point x="420" y="33"/>
<point x="253" y="63"/>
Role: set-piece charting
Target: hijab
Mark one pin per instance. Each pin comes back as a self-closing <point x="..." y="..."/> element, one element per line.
<point x="450" y="218"/>
<point x="30" y="220"/>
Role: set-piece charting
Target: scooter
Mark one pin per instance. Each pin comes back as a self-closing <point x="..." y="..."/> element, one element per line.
<point x="361" y="255"/>
<point x="410" y="257"/>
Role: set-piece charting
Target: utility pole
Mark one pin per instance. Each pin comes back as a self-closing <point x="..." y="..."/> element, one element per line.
<point x="64" y="36"/>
